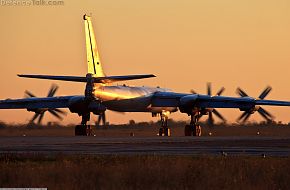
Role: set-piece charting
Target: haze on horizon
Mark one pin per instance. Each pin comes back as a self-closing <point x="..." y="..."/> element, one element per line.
<point x="184" y="43"/>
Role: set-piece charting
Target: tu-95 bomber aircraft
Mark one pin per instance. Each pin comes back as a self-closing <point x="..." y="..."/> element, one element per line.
<point x="100" y="95"/>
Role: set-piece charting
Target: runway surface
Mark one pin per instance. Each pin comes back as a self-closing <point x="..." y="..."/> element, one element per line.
<point x="255" y="146"/>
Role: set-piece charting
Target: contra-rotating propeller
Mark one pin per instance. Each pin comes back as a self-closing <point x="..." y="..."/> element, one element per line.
<point x="265" y="114"/>
<point x="102" y="119"/>
<point x="39" y="113"/>
<point x="212" y="111"/>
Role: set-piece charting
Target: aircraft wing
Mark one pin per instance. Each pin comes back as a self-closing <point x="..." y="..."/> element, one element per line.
<point x="106" y="79"/>
<point x="36" y="103"/>
<point x="272" y="103"/>
<point x="171" y="99"/>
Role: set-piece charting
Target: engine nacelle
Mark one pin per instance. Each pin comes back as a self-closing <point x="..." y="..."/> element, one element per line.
<point x="251" y="110"/>
<point x="81" y="105"/>
<point x="96" y="107"/>
<point x="187" y="103"/>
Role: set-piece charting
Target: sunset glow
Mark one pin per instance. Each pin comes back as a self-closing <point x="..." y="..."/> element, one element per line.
<point x="184" y="43"/>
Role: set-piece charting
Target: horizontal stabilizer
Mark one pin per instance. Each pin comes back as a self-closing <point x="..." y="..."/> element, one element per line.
<point x="107" y="79"/>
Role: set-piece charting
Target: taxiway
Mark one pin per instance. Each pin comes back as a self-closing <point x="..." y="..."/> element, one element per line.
<point x="254" y="146"/>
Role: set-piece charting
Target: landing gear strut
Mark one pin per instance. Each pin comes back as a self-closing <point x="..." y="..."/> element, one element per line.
<point x="84" y="129"/>
<point x="193" y="129"/>
<point x="164" y="130"/>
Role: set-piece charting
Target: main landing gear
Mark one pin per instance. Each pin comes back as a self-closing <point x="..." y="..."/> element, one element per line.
<point x="193" y="129"/>
<point x="84" y="129"/>
<point x="164" y="130"/>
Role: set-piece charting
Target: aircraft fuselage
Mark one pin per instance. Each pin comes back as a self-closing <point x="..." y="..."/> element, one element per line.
<point x="125" y="98"/>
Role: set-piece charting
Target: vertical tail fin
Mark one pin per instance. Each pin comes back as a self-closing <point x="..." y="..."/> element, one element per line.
<point x="93" y="58"/>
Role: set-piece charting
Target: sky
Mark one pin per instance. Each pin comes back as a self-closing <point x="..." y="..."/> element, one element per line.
<point x="185" y="43"/>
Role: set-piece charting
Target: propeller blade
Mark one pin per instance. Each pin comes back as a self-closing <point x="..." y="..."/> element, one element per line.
<point x="209" y="88"/>
<point x="265" y="114"/>
<point x="242" y="116"/>
<point x="29" y="94"/>
<point x="55" y="114"/>
<point x="210" y="119"/>
<point x="34" y="117"/>
<point x="247" y="117"/>
<point x="220" y="91"/>
<point x="219" y="115"/>
<point x="52" y="90"/>
<point x="193" y="92"/>
<point x="60" y="111"/>
<point x="265" y="92"/>
<point x="40" y="118"/>
<point x="241" y="92"/>
<point x="39" y="113"/>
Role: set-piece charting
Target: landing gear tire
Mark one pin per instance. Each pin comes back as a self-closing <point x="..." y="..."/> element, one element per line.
<point x="167" y="132"/>
<point x="192" y="130"/>
<point x="164" y="132"/>
<point x="198" y="130"/>
<point x="83" y="130"/>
